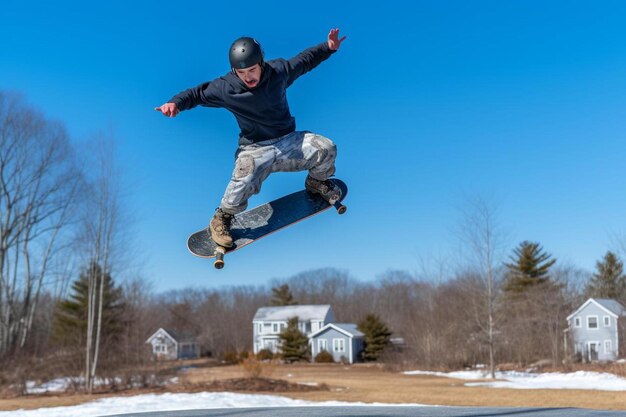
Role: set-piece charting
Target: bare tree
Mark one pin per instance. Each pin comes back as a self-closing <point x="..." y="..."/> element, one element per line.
<point x="39" y="186"/>
<point x="483" y="241"/>
<point x="103" y="239"/>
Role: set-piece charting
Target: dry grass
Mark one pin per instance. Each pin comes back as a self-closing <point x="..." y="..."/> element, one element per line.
<point x="370" y="383"/>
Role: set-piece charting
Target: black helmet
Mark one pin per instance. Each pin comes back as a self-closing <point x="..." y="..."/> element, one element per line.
<point x="245" y="52"/>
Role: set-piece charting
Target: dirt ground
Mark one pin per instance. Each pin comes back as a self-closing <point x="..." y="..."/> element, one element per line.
<point x="360" y="383"/>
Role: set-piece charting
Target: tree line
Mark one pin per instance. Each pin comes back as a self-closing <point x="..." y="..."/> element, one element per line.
<point x="69" y="304"/>
<point x="60" y="213"/>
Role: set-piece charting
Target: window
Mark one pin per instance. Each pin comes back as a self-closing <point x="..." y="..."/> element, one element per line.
<point x="160" y="348"/>
<point x="607" y="346"/>
<point x="577" y="322"/>
<point x="275" y="328"/>
<point x="607" y="321"/>
<point x="283" y="326"/>
<point x="592" y="322"/>
<point x="322" y="345"/>
<point x="339" y="345"/>
<point x="260" y="328"/>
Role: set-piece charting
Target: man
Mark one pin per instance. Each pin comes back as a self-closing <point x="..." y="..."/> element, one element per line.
<point x="255" y="92"/>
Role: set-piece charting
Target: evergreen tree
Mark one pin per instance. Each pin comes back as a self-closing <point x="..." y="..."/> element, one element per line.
<point x="70" y="321"/>
<point x="531" y="266"/>
<point x="377" y="336"/>
<point x="281" y="296"/>
<point x="294" y="344"/>
<point x="609" y="280"/>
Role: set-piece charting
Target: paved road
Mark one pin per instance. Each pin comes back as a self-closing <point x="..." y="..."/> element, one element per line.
<point x="379" y="411"/>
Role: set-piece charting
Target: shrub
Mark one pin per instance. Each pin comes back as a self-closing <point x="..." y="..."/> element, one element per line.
<point x="324" y="357"/>
<point x="252" y="368"/>
<point x="265" y="355"/>
<point x="230" y="356"/>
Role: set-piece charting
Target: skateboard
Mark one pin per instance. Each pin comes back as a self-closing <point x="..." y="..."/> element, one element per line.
<point x="252" y="225"/>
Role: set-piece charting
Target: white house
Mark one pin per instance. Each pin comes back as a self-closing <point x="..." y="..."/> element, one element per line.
<point x="269" y="322"/>
<point x="594" y="329"/>
<point x="170" y="344"/>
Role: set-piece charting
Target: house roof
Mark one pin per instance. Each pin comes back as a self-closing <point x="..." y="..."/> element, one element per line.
<point x="180" y="336"/>
<point x="176" y="336"/>
<point x="349" y="329"/>
<point x="283" y="313"/>
<point x="612" y="305"/>
<point x="609" y="305"/>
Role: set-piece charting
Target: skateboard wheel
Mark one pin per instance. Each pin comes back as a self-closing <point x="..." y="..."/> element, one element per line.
<point x="219" y="264"/>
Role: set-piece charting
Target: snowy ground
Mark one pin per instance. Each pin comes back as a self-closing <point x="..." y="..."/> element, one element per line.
<point x="205" y="400"/>
<point x="170" y="402"/>
<point x="527" y="380"/>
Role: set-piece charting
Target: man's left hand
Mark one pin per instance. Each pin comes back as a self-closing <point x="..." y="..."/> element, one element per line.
<point x="333" y="39"/>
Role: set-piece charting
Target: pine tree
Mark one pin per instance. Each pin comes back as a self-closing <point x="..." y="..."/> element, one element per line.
<point x="609" y="280"/>
<point x="377" y="336"/>
<point x="70" y="321"/>
<point x="531" y="266"/>
<point x="281" y="296"/>
<point x="294" y="344"/>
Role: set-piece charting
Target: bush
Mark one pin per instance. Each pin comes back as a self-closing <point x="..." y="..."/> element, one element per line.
<point x="231" y="356"/>
<point x="324" y="357"/>
<point x="254" y="368"/>
<point x="265" y="355"/>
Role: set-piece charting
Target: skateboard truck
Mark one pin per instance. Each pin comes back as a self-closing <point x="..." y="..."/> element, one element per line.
<point x="341" y="209"/>
<point x="219" y="257"/>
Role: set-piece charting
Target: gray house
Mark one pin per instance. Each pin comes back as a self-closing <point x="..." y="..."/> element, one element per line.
<point x="269" y="322"/>
<point x="594" y="329"/>
<point x="343" y="340"/>
<point x="170" y="344"/>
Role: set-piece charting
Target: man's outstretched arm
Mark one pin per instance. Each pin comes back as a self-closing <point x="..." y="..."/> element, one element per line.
<point x="310" y="58"/>
<point x="206" y="94"/>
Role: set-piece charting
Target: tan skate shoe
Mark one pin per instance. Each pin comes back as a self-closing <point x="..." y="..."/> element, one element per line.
<point x="327" y="189"/>
<point x="220" y="228"/>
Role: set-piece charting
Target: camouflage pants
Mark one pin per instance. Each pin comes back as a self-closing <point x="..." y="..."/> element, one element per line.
<point x="297" y="151"/>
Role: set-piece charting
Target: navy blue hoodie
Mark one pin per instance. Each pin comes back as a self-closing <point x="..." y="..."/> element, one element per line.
<point x="261" y="112"/>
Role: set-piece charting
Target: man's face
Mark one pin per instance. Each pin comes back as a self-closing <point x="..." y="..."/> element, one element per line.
<point x="250" y="76"/>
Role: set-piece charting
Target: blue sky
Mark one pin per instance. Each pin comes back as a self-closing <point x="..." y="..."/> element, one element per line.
<point x="428" y="102"/>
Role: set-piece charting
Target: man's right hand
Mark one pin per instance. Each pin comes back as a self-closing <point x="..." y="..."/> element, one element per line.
<point x="168" y="109"/>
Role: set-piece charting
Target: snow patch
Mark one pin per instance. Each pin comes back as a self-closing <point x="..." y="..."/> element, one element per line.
<point x="525" y="380"/>
<point x="172" y="402"/>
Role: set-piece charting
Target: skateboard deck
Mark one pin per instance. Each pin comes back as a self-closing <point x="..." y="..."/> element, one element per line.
<point x="263" y="220"/>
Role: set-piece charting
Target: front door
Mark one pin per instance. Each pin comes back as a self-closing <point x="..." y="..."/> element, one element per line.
<point x="271" y="345"/>
<point x="594" y="347"/>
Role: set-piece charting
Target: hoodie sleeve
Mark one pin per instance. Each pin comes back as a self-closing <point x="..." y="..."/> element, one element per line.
<point x="208" y="94"/>
<point x="306" y="60"/>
